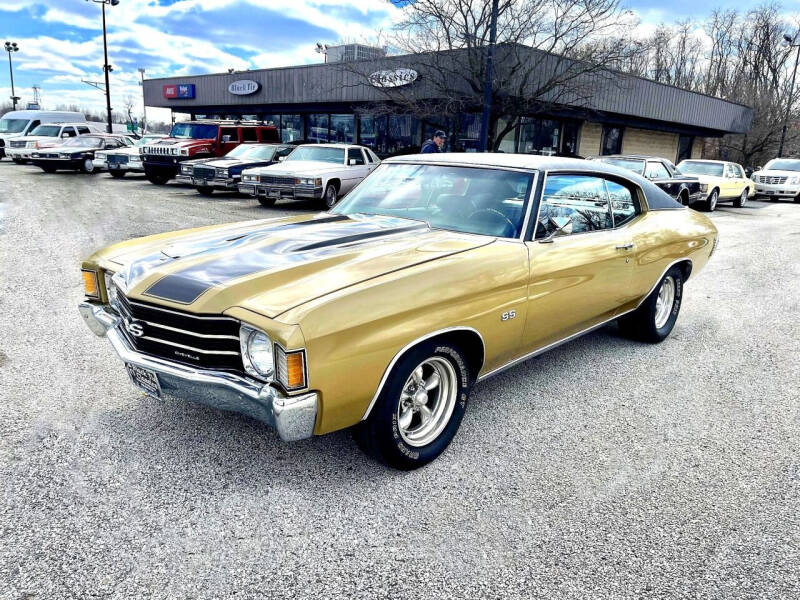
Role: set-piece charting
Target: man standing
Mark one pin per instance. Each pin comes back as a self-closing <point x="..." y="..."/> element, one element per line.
<point x="434" y="144"/>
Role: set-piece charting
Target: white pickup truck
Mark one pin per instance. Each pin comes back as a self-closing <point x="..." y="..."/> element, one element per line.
<point x="46" y="135"/>
<point x="324" y="172"/>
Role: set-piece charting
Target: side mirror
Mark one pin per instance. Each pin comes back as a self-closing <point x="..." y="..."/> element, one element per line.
<point x="281" y="158"/>
<point x="352" y="162"/>
<point x="563" y="226"/>
<point x="226" y="139"/>
<point x="64" y="135"/>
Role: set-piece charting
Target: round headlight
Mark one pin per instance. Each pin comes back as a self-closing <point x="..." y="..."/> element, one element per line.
<point x="256" y="352"/>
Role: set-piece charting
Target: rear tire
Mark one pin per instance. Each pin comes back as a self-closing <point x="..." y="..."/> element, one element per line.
<point x="19" y="161"/>
<point x="266" y="202"/>
<point x="711" y="201"/>
<point x="117" y="174"/>
<point x="419" y="408"/>
<point x="654" y="319"/>
<point x="797" y="198"/>
<point x="157" y="178"/>
<point x="48" y="169"/>
<point x="205" y="191"/>
<point x="742" y="199"/>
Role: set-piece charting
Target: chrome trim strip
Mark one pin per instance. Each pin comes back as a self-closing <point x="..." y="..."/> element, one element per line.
<point x="410" y="345"/>
<point x="192" y="348"/>
<point x="183" y="331"/>
<point x="529" y="207"/>
<point x="569" y="338"/>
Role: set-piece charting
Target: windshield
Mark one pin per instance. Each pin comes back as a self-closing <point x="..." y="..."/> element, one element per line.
<point x="147" y="139"/>
<point x="12" y="125"/>
<point x="783" y="164"/>
<point x="195" y="131"/>
<point x="467" y="199"/>
<point x="84" y="141"/>
<point x="696" y="167"/>
<point x="324" y="154"/>
<point x="47" y="130"/>
<point x="631" y="164"/>
<point x="260" y="152"/>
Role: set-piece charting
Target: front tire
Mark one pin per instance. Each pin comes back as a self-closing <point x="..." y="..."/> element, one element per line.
<point x="711" y="201"/>
<point x="419" y="408"/>
<point x="266" y="202"/>
<point x="205" y="190"/>
<point x="117" y="174"/>
<point x="48" y="169"/>
<point x="654" y="319"/>
<point x="742" y="199"/>
<point x="87" y="166"/>
<point x="331" y="196"/>
<point x="19" y="161"/>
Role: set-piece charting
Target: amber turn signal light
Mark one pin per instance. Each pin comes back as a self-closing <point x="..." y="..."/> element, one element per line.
<point x="296" y="376"/>
<point x="90" y="287"/>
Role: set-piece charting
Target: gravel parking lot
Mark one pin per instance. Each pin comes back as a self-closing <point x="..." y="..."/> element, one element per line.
<point x="605" y="468"/>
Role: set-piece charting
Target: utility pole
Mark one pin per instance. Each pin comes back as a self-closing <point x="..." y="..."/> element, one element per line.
<point x="12" y="47"/>
<point x="487" y="91"/>
<point x="106" y="67"/>
<point x="791" y="41"/>
<point x="144" y="108"/>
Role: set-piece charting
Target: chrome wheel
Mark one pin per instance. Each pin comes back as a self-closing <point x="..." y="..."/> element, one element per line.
<point x="743" y="198"/>
<point x="427" y="401"/>
<point x="88" y="165"/>
<point x="330" y="196"/>
<point x="665" y="300"/>
<point x="712" y="200"/>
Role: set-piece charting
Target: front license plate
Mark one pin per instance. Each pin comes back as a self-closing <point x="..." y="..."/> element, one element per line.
<point x="113" y="166"/>
<point x="770" y="191"/>
<point x="203" y="182"/>
<point x="145" y="380"/>
<point x="247" y="189"/>
<point x="274" y="193"/>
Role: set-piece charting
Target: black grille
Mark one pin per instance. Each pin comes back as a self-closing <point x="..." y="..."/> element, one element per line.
<point x="207" y="341"/>
<point x="117" y="159"/>
<point x="202" y="172"/>
<point x="18" y="144"/>
<point x="273" y="180"/>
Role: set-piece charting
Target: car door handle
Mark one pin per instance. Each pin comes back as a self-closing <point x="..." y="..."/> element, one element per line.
<point x="627" y="246"/>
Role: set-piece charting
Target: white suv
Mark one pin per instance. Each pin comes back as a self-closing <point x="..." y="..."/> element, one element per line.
<point x="44" y="136"/>
<point x="780" y="178"/>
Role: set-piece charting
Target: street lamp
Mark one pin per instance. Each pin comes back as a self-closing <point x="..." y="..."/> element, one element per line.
<point x="144" y="108"/>
<point x="12" y="47"/>
<point x="106" y="67"/>
<point x="791" y="42"/>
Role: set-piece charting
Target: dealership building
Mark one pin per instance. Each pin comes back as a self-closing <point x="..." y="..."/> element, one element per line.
<point x="350" y="101"/>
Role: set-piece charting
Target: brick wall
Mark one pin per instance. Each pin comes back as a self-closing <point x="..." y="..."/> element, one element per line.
<point x="591" y="134"/>
<point x="653" y="143"/>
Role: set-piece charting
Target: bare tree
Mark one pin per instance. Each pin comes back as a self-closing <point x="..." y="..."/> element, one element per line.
<point x="549" y="52"/>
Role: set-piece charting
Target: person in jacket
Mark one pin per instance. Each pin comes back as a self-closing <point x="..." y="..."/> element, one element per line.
<point x="434" y="144"/>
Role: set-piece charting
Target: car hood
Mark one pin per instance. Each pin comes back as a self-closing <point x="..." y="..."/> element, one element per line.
<point x="178" y="142"/>
<point x="269" y="267"/>
<point x="71" y="149"/>
<point x="131" y="151"/>
<point x="777" y="173"/>
<point x="298" y="167"/>
<point x="232" y="162"/>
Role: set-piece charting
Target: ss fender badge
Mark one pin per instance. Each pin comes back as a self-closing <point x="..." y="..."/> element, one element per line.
<point x="508" y="315"/>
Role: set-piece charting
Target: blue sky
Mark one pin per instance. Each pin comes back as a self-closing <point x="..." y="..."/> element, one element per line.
<point x="60" y="40"/>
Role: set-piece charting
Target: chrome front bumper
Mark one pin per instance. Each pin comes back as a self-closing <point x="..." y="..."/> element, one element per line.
<point x="294" y="192"/>
<point x="777" y="189"/>
<point x="292" y="416"/>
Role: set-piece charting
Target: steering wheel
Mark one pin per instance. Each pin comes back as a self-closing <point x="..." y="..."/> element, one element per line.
<point x="499" y="224"/>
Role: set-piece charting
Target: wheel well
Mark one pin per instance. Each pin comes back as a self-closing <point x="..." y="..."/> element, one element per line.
<point x="715" y="189"/>
<point x="471" y="344"/>
<point x="686" y="268"/>
<point x="335" y="182"/>
<point x="684" y="196"/>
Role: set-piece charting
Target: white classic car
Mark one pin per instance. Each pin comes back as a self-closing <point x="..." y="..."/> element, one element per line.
<point x="312" y="171"/>
<point x="47" y="135"/>
<point x="124" y="160"/>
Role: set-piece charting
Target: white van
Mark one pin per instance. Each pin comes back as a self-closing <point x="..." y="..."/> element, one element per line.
<point x="22" y="122"/>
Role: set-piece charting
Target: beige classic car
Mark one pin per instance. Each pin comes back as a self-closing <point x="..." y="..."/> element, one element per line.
<point x="726" y="181"/>
<point x="436" y="272"/>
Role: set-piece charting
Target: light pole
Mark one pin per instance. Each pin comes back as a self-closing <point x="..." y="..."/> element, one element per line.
<point x="106" y="67"/>
<point x="487" y="90"/>
<point x="12" y="47"/>
<point x="792" y="43"/>
<point x="144" y="108"/>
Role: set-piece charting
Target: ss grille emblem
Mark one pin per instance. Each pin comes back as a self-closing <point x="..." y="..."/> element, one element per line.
<point x="134" y="328"/>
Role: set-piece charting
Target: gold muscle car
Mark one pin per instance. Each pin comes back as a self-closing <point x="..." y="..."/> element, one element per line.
<point x="436" y="272"/>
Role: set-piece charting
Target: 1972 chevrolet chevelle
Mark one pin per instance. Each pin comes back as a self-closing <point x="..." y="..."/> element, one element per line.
<point x="436" y="272"/>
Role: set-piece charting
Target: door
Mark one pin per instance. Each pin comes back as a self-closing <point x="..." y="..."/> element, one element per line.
<point x="732" y="186"/>
<point x="228" y="139"/>
<point x="355" y="170"/>
<point x="581" y="265"/>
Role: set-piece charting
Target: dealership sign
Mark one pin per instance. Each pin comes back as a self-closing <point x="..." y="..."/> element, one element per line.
<point x="394" y="78"/>
<point x="244" y="87"/>
<point x="181" y="91"/>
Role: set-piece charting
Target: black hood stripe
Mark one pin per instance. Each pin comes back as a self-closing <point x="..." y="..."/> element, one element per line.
<point x="186" y="286"/>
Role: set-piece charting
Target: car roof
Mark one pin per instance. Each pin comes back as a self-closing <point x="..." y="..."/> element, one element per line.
<point x="333" y="145"/>
<point x="634" y="156"/>
<point x="708" y="160"/>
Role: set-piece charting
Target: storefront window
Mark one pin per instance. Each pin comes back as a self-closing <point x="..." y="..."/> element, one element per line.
<point x="291" y="128"/>
<point x="685" y="143"/>
<point x="272" y="120"/>
<point x="402" y="135"/>
<point x="318" y="129"/>
<point x="539" y="136"/>
<point x="508" y="143"/>
<point x="612" y="140"/>
<point x="368" y="128"/>
<point x="469" y="133"/>
<point x="343" y="128"/>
